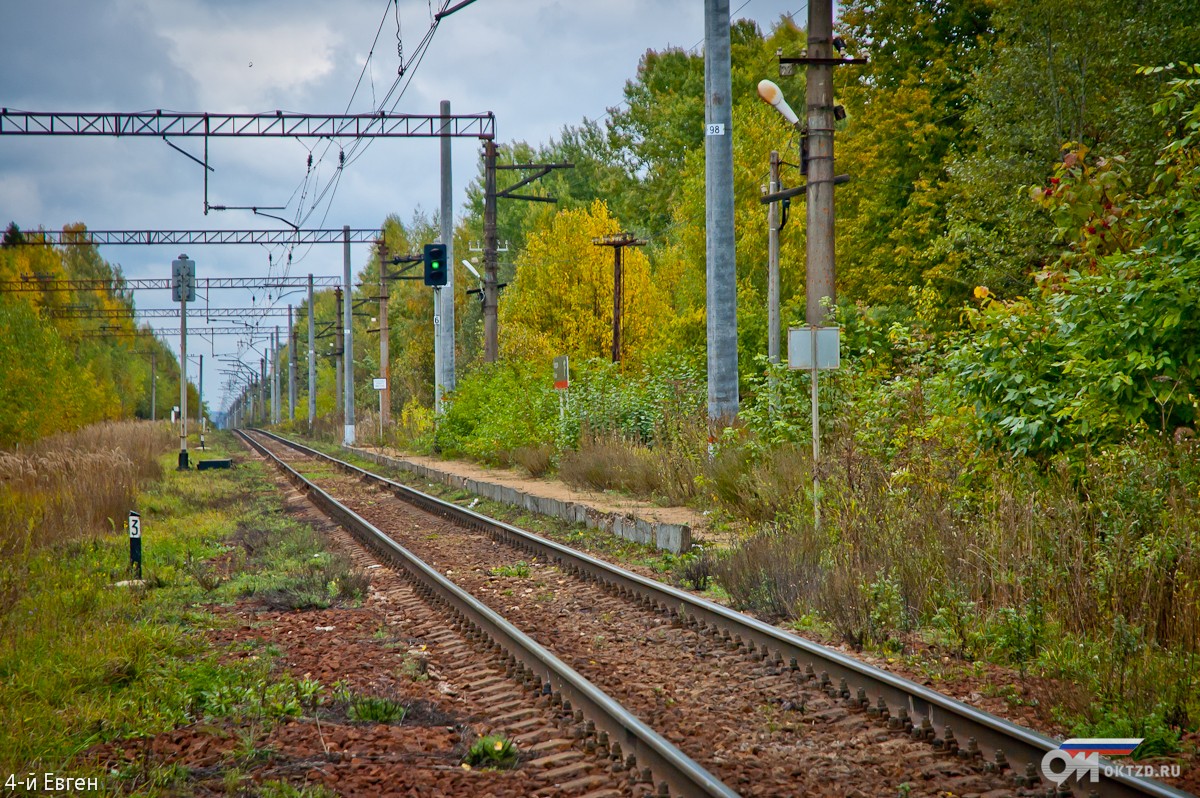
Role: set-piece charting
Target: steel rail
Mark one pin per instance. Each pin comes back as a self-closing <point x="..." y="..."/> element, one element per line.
<point x="1021" y="747"/>
<point x="680" y="773"/>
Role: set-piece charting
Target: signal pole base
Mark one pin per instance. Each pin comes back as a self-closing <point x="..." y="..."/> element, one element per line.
<point x="183" y="461"/>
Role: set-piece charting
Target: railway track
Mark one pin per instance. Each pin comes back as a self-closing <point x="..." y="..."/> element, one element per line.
<point x="767" y="712"/>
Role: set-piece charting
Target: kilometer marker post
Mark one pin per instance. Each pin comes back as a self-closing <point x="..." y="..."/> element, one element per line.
<point x="135" y="542"/>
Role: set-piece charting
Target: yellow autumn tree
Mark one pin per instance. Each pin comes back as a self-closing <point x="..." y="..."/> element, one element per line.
<point x="561" y="298"/>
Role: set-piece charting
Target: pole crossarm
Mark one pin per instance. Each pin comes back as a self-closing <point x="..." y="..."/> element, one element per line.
<point x="164" y="313"/>
<point x="276" y="125"/>
<point x="30" y="283"/>
<point x="63" y="238"/>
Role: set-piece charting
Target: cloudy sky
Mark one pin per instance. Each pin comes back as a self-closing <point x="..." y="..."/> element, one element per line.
<point x="537" y="64"/>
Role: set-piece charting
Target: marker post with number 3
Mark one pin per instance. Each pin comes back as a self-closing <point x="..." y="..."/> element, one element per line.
<point x="135" y="542"/>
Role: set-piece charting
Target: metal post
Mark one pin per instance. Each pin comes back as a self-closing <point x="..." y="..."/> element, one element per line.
<point x="183" y="452"/>
<point x="773" y="265"/>
<point x="312" y="359"/>
<point x="491" y="341"/>
<point x="444" y="297"/>
<point x="385" y="396"/>
<point x="721" y="287"/>
<point x="348" y="345"/>
<point x="291" y="367"/>
<point x="773" y="330"/>
<point x="816" y="436"/>
<point x="200" y="404"/>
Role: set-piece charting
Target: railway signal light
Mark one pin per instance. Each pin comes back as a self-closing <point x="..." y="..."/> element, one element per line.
<point x="435" y="265"/>
<point x="183" y="279"/>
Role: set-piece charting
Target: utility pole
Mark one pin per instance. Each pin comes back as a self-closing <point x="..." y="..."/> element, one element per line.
<point x="275" y="376"/>
<point x="338" y="339"/>
<point x="291" y="367"/>
<point x="262" y="388"/>
<point x="200" y="403"/>
<point x="618" y="243"/>
<point x="348" y="342"/>
<point x="443" y="298"/>
<point x="491" y="340"/>
<point x="385" y="396"/>
<point x="153" y="385"/>
<point x="491" y="283"/>
<point x="819" y="100"/>
<point x="721" y="266"/>
<point x="312" y="359"/>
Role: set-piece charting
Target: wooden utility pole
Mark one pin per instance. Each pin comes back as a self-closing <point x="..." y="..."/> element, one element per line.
<point x="385" y="396"/>
<point x="491" y="285"/>
<point x="618" y="242"/>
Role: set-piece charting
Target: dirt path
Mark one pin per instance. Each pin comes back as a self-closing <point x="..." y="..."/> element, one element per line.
<point x="556" y="489"/>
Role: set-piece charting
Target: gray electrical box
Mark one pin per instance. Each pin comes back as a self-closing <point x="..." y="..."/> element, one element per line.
<point x="828" y="346"/>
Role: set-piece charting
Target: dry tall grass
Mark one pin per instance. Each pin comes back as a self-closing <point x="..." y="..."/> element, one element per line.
<point x="70" y="487"/>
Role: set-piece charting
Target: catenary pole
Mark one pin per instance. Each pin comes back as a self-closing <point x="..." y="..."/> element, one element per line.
<point x="444" y="297"/>
<point x="385" y="363"/>
<point x="721" y="266"/>
<point x="312" y="359"/>
<point x="348" y="341"/>
<point x="773" y="330"/>
<point x="491" y="338"/>
<point x="291" y="367"/>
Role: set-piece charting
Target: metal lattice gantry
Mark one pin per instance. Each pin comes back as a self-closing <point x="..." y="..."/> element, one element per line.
<point x="279" y="124"/>
<point x="298" y="237"/>
<point x="147" y="332"/>
<point x="164" y="313"/>
<point x="33" y="283"/>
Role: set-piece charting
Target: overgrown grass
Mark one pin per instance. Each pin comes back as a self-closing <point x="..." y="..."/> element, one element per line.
<point x="69" y="489"/>
<point x="83" y="662"/>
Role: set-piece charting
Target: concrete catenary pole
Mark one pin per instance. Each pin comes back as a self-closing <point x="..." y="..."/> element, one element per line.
<point x="291" y="367"/>
<point x="819" y="269"/>
<point x="819" y="99"/>
<point x="444" y="297"/>
<point x="491" y="337"/>
<point x="385" y="362"/>
<point x="262" y="388"/>
<point x="348" y="342"/>
<point x="339" y="382"/>
<point x="721" y="270"/>
<point x="275" y="398"/>
<point x="312" y="359"/>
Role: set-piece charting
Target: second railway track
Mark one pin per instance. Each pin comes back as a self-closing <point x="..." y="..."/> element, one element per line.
<point x="766" y="712"/>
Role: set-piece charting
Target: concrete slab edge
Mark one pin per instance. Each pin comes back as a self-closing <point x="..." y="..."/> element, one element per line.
<point x="675" y="538"/>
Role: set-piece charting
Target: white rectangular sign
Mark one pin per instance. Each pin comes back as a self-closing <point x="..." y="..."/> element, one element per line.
<point x="715" y="129"/>
<point x="380" y="383"/>
<point x="135" y="525"/>
<point x="800" y="348"/>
